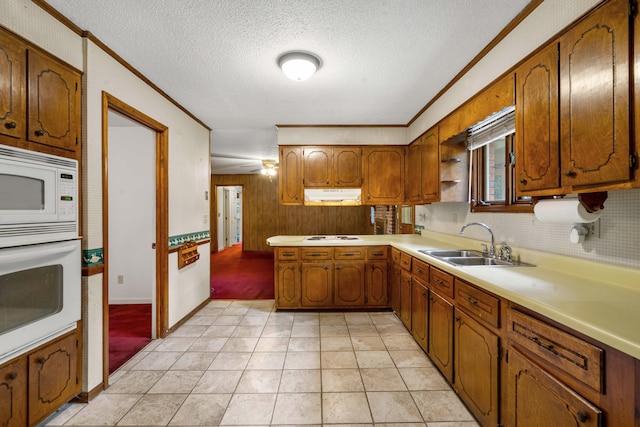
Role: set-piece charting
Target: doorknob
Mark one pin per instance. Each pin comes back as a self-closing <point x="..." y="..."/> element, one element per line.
<point x="153" y="245"/>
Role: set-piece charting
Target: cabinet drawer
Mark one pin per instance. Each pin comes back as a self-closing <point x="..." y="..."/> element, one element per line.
<point x="318" y="253"/>
<point x="441" y="281"/>
<point x="395" y="255"/>
<point x="572" y="355"/>
<point x="420" y="270"/>
<point x="405" y="261"/>
<point x="349" y="252"/>
<point x="478" y="303"/>
<point x="377" y="252"/>
<point x="290" y="254"/>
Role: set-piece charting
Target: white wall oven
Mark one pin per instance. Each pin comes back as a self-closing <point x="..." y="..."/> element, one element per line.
<point x="40" y="257"/>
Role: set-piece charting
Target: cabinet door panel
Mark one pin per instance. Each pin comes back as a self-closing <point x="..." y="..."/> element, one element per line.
<point x="54" y="103"/>
<point x="430" y="167"/>
<point x="317" y="284"/>
<point x="349" y="284"/>
<point x="476" y="368"/>
<point x="594" y="61"/>
<point x="13" y="394"/>
<point x="12" y="87"/>
<point x="537" y="128"/>
<point x="419" y="310"/>
<point x="317" y="167"/>
<point x="290" y="176"/>
<point x="413" y="173"/>
<point x="376" y="282"/>
<point x="536" y="399"/>
<point x="347" y="167"/>
<point x="405" y="298"/>
<point x="383" y="175"/>
<point x="441" y="334"/>
<point x="396" y="278"/>
<point x="53" y="377"/>
<point x="288" y="284"/>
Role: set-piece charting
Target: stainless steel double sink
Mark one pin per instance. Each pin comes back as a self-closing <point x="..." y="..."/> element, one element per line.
<point x="471" y="258"/>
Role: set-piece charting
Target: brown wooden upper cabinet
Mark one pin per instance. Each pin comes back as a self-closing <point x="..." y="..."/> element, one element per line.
<point x="13" y="118"/>
<point x="422" y="177"/>
<point x="590" y="146"/>
<point x="383" y="170"/>
<point x="332" y="167"/>
<point x="290" y="176"/>
<point x="39" y="98"/>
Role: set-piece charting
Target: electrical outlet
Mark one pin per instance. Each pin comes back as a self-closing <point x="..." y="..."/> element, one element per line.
<point x="594" y="228"/>
<point x="120" y="279"/>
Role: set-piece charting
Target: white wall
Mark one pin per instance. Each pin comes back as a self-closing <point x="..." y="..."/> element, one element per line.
<point x="132" y="229"/>
<point x="189" y="170"/>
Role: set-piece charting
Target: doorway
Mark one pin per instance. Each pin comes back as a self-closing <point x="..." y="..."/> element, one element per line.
<point x="135" y="206"/>
<point x="229" y="216"/>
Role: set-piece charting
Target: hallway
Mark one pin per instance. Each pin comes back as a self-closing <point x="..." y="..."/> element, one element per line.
<point x="241" y="363"/>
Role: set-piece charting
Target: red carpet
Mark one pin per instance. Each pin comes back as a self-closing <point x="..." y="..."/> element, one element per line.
<point x="129" y="332"/>
<point x="241" y="275"/>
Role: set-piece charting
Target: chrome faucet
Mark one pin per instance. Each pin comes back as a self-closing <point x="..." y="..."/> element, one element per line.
<point x="492" y="248"/>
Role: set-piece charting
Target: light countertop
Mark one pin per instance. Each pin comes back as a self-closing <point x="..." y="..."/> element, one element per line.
<point x="598" y="300"/>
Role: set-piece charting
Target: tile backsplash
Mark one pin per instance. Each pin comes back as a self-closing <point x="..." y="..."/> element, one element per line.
<point x="618" y="244"/>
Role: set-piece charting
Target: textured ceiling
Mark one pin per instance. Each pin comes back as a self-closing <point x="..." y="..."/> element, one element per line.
<point x="382" y="60"/>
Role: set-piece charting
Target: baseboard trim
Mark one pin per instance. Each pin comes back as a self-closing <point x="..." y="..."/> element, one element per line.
<point x="86" y="397"/>
<point x="188" y="316"/>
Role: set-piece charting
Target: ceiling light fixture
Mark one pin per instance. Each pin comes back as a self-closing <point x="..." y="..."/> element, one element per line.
<point x="298" y="66"/>
<point x="269" y="168"/>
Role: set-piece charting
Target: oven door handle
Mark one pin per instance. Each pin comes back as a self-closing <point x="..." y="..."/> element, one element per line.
<point x="37" y="251"/>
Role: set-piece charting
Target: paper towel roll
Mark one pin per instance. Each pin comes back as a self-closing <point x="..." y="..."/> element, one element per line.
<point x="567" y="211"/>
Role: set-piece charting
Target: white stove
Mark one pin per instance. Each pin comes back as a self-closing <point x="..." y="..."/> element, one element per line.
<point x="331" y="238"/>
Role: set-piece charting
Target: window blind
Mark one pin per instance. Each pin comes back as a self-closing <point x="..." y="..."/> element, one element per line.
<point x="495" y="126"/>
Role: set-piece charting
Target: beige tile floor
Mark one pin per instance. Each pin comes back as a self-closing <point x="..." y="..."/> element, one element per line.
<point x="240" y="363"/>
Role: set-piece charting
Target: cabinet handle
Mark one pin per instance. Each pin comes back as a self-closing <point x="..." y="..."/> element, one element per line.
<point x="338" y="267"/>
<point x="11" y="125"/>
<point x="39" y="133"/>
<point x="12" y="376"/>
<point x="457" y="319"/>
<point x="287" y="253"/>
<point x="424" y="294"/>
<point x="582" y="416"/>
<point x="41" y="360"/>
<point x="543" y="345"/>
<point x="377" y="253"/>
<point x="471" y="301"/>
<point x="570" y="174"/>
<point x="523" y="181"/>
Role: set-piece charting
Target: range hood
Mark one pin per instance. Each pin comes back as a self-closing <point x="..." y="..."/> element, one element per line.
<point x="332" y="196"/>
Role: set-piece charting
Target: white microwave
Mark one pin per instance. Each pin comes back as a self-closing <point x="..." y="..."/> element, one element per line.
<point x="38" y="197"/>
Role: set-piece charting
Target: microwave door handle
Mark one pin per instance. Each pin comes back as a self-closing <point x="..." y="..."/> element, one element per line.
<point x="35" y="252"/>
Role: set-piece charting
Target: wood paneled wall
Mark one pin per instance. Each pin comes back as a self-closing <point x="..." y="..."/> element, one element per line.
<point x="263" y="216"/>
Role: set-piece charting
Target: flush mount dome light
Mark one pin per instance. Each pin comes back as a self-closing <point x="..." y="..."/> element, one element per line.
<point x="298" y="66"/>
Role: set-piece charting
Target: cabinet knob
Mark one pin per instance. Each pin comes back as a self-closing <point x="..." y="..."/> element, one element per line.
<point x="523" y="181"/>
<point x="570" y="174"/>
<point x="12" y="376"/>
<point x="582" y="416"/>
<point x="10" y="125"/>
<point x="42" y="360"/>
<point x="39" y="133"/>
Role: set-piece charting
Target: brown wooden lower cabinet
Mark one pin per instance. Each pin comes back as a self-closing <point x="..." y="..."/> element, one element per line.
<point x="405" y="298"/>
<point x="317" y="284"/>
<point x="476" y="366"/>
<point x="376" y="280"/>
<point x="419" y="310"/>
<point x="348" y="285"/>
<point x="394" y="283"/>
<point x="535" y="398"/>
<point x="441" y="334"/>
<point x="36" y="384"/>
<point x="13" y="394"/>
<point x="288" y="284"/>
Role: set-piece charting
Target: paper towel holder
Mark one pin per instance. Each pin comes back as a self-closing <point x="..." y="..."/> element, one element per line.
<point x="593" y="202"/>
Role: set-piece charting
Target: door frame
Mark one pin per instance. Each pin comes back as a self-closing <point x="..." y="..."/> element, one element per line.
<point x="109" y="102"/>
<point x="214" y="214"/>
